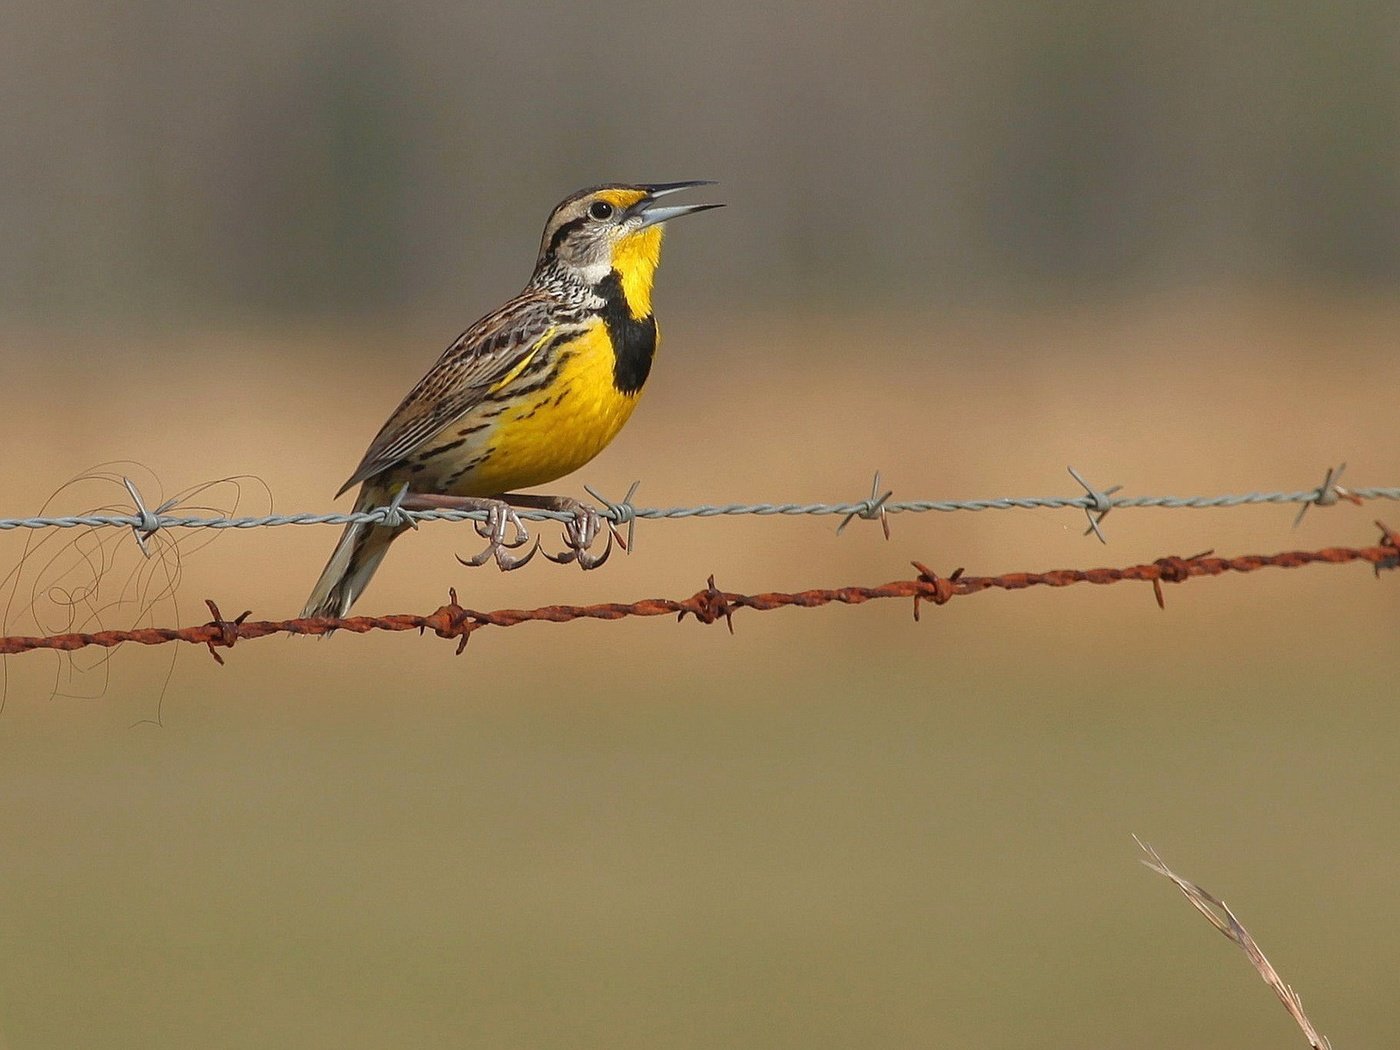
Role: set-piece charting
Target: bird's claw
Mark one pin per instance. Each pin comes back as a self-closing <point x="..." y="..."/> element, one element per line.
<point x="499" y="521"/>
<point x="580" y="533"/>
<point x="507" y="562"/>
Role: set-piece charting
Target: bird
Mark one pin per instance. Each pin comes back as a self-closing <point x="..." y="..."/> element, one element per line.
<point x="529" y="393"/>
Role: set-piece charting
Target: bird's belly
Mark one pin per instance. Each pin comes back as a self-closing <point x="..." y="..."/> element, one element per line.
<point x="544" y="434"/>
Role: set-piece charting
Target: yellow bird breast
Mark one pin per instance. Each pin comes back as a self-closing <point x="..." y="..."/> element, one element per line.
<point x="553" y="431"/>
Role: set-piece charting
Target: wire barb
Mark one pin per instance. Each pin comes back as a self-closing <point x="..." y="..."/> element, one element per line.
<point x="872" y="509"/>
<point x="394" y="514"/>
<point x="1100" y="502"/>
<point x="1328" y="493"/>
<point x="1389" y="539"/>
<point x="709" y="605"/>
<point x="226" y="630"/>
<point x="619" y="514"/>
<point x="943" y="587"/>
<point x="148" y="522"/>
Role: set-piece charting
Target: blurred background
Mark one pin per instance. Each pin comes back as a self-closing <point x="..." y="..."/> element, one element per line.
<point x="967" y="244"/>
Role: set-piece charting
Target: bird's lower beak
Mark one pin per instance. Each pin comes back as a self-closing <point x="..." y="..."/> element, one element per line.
<point x="651" y="213"/>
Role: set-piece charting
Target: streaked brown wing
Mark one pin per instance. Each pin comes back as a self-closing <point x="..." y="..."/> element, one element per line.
<point x="480" y="357"/>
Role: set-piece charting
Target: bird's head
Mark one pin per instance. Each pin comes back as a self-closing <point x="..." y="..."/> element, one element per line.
<point x="613" y="227"/>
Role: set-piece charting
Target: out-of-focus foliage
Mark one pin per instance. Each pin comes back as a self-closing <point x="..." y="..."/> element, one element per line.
<point x="276" y="158"/>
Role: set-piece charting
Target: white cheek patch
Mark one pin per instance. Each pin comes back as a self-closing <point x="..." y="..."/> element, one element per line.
<point x="594" y="272"/>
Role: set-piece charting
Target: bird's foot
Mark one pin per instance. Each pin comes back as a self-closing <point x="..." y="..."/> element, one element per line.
<point x="502" y="528"/>
<point x="501" y="521"/>
<point x="580" y="533"/>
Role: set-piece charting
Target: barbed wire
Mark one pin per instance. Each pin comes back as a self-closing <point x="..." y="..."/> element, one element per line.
<point x="712" y="604"/>
<point x="1095" y="503"/>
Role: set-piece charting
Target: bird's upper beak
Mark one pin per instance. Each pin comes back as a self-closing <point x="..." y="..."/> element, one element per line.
<point x="651" y="213"/>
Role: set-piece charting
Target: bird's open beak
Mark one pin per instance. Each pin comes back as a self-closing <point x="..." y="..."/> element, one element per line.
<point x="651" y="213"/>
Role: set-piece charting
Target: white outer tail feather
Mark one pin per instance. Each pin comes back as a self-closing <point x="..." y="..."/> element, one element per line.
<point x="355" y="558"/>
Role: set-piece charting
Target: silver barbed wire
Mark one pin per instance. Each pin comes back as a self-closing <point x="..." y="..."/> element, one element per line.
<point x="1095" y="503"/>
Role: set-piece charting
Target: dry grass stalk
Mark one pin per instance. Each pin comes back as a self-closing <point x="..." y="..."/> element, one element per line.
<point x="1207" y="904"/>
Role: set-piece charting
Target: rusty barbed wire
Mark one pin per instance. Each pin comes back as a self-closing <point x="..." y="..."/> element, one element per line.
<point x="453" y="621"/>
<point x="1094" y="502"/>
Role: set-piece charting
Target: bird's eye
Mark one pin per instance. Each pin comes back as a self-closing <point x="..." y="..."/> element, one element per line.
<point x="600" y="210"/>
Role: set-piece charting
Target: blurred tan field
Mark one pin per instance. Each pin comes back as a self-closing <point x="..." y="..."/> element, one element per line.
<point x="833" y="828"/>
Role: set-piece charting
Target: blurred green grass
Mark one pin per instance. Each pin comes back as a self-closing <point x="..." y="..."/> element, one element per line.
<point x="891" y="844"/>
<point x="835" y="828"/>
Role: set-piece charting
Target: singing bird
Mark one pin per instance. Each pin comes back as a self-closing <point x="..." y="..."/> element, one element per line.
<point x="531" y="392"/>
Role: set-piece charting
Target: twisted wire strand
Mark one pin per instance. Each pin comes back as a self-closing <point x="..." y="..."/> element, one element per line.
<point x="1095" y="502"/>
<point x="453" y="621"/>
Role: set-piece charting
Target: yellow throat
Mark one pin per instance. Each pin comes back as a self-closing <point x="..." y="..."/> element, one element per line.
<point x="636" y="256"/>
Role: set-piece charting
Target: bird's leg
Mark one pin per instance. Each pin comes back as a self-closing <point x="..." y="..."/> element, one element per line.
<point x="500" y="519"/>
<point x="579" y="534"/>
